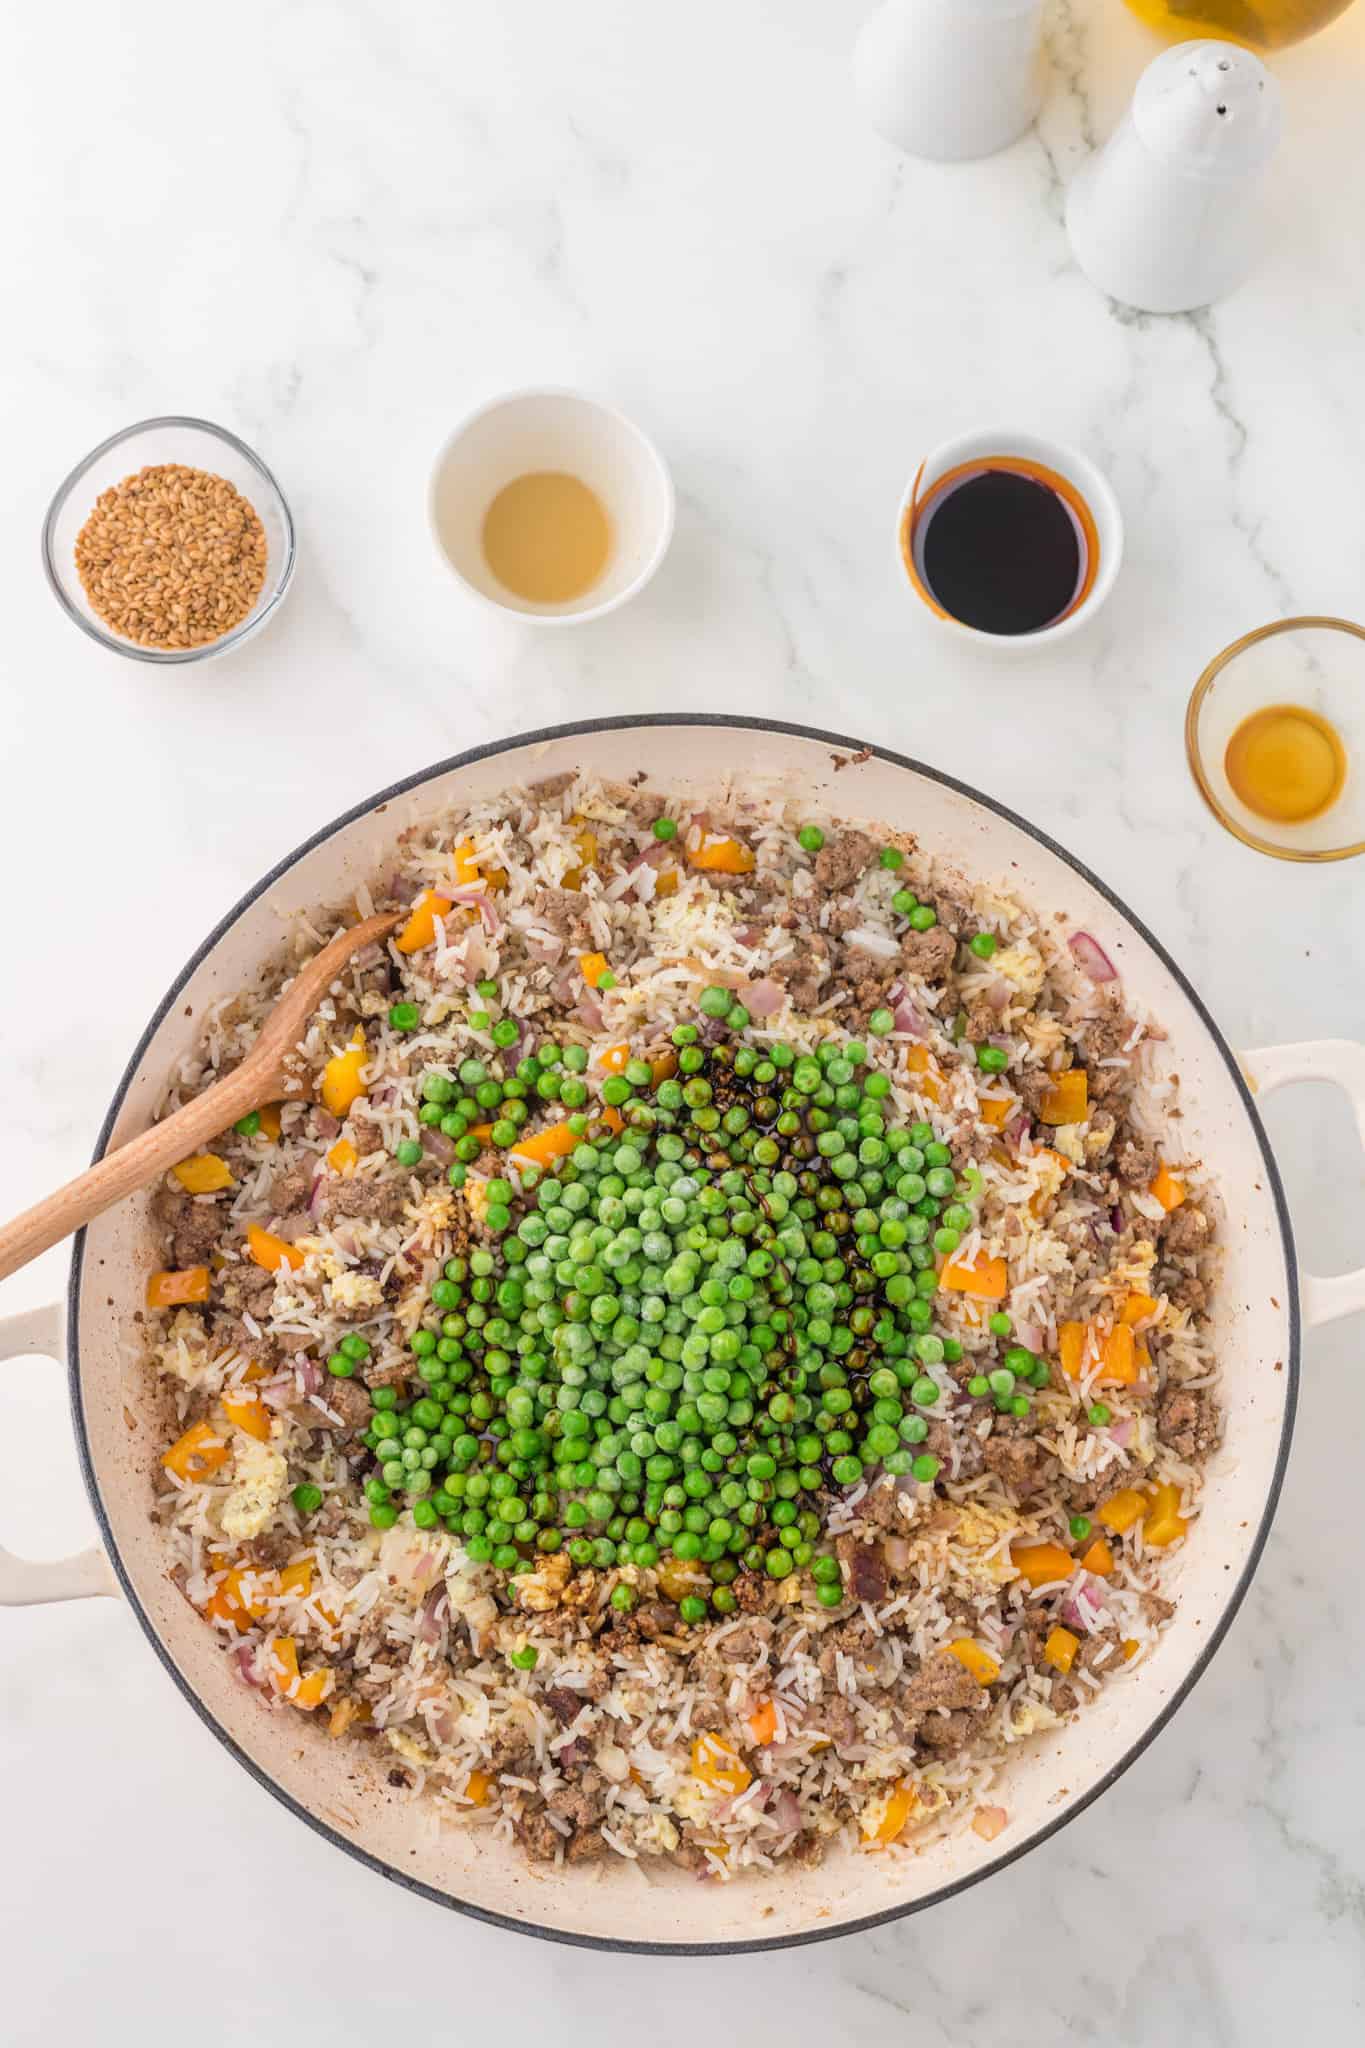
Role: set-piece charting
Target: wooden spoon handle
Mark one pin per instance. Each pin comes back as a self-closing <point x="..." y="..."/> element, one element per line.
<point x="132" y="1166"/>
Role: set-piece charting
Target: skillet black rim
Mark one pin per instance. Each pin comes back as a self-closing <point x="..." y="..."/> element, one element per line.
<point x="837" y="742"/>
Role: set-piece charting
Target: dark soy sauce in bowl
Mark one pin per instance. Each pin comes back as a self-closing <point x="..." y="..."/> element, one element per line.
<point x="1004" y="547"/>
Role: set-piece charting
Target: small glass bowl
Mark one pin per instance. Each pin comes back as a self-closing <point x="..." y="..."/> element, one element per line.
<point x="198" y="444"/>
<point x="1317" y="663"/>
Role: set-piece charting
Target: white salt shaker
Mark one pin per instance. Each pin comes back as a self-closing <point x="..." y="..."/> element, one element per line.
<point x="951" y="79"/>
<point x="1167" y="216"/>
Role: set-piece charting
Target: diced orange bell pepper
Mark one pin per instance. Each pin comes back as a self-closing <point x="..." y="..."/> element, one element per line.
<point x="1042" y="1564"/>
<point x="592" y="966"/>
<point x="1060" y="1648"/>
<point x="205" y="1174"/>
<point x="987" y="1279"/>
<point x="663" y="1068"/>
<point x="763" y="1722"/>
<point x="343" y="1156"/>
<point x="542" y="1146"/>
<point x="297" y="1578"/>
<point x="169" y="1290"/>
<point x="248" y="1411"/>
<point x="270" y="1121"/>
<point x="1169" y="1191"/>
<point x="270" y="1251"/>
<point x="895" y="1815"/>
<point x="341" y="1082"/>
<point x="1078" y="1348"/>
<point x="420" y="929"/>
<point x="724" y="857"/>
<point x="1130" y="1647"/>
<point x="1164" y="1522"/>
<point x="613" y="1119"/>
<point x="995" y="1110"/>
<point x="1099" y="1559"/>
<point x="667" y="882"/>
<point x="197" y="1454"/>
<point x="716" y="1764"/>
<point x="478" y="1788"/>
<point x="467" y="874"/>
<point x="1119" y="1355"/>
<point x="1122" y="1509"/>
<point x="306" y="1693"/>
<point x="920" y="1063"/>
<point x="239" y="1598"/>
<point x="483" y="1132"/>
<point x="1138" y="1307"/>
<point x="616" y="1058"/>
<point x="1067" y="1100"/>
<point x="352" y="1713"/>
<point x="984" y="1668"/>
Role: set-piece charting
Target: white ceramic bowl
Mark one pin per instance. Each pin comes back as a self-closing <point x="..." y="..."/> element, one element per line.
<point x="1079" y="471"/>
<point x="553" y="430"/>
<point x="341" y="1792"/>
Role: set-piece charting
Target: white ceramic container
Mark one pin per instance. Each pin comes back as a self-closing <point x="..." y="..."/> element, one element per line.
<point x="1168" y="215"/>
<point x="983" y="447"/>
<point x="561" y="430"/>
<point x="950" y="79"/>
<point x="1260" y="1307"/>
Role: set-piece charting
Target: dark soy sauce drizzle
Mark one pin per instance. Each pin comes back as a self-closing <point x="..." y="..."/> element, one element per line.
<point x="1001" y="553"/>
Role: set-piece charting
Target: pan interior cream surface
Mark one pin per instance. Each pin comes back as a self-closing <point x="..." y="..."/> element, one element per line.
<point x="1256" y="1319"/>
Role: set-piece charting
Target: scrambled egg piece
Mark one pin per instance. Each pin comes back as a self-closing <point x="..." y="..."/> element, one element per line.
<point x="696" y="1800"/>
<point x="1068" y="1140"/>
<point x="1031" y="1715"/>
<point x="543" y="1589"/>
<point x="476" y="1199"/>
<point x="1047" y="1174"/>
<point x="412" y="1752"/>
<point x="978" y="1528"/>
<point x="652" y="1833"/>
<point x="261" y="1476"/>
<point x="1022" y="967"/>
<point x="355" y="1290"/>
<point x="184" y="1352"/>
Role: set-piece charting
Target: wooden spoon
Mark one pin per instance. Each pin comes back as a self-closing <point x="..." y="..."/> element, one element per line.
<point x="260" y="1079"/>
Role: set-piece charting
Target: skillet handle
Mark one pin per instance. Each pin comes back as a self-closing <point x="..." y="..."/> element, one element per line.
<point x="24" y="1583"/>
<point x="1342" y="1061"/>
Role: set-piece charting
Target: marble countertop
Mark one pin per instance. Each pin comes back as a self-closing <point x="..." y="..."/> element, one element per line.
<point x="334" y="230"/>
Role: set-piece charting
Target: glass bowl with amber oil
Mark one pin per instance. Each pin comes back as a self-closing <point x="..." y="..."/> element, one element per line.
<point x="1275" y="735"/>
<point x="1259" y="24"/>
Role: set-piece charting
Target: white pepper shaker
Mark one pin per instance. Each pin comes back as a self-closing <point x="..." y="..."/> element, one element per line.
<point x="951" y="79"/>
<point x="1167" y="216"/>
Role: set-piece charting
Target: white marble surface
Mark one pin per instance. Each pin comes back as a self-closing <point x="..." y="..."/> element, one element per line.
<point x="336" y="226"/>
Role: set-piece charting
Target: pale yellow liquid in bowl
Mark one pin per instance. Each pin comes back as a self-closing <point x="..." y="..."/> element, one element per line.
<point x="546" y="537"/>
<point x="1260" y="24"/>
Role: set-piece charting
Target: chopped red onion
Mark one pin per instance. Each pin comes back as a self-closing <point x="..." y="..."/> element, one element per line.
<point x="279" y="1393"/>
<point x="1091" y="958"/>
<point x="1116" y="1219"/>
<point x="784" y="1810"/>
<point x="327" y="1124"/>
<point x="589" y="1010"/>
<point x="1083" y="1606"/>
<point x="368" y="956"/>
<point x="907" y="1018"/>
<point x="245" y="1660"/>
<point x="437" y="1145"/>
<point x="478" y="899"/>
<point x="989" y="1822"/>
<point x="763" y="999"/>
<point x="309" y="1374"/>
<point x="1120" y="1431"/>
<point x="998" y="994"/>
<point x="1030" y="1335"/>
<point x="429" y="1627"/>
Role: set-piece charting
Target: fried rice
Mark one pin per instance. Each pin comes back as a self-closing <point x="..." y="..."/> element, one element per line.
<point x="974" y="1610"/>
